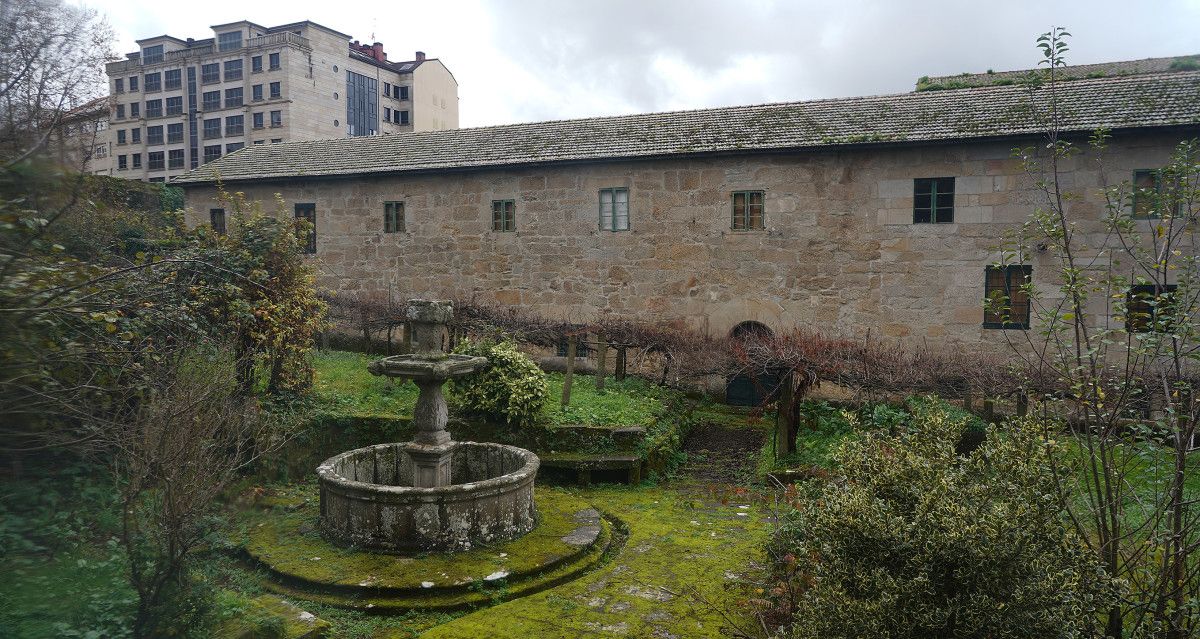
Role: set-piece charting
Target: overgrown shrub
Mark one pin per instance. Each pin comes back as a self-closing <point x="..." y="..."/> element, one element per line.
<point x="918" y="541"/>
<point x="511" y="389"/>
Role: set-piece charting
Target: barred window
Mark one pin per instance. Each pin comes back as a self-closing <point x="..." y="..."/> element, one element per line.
<point x="504" y="215"/>
<point x="747" y="211"/>
<point x="393" y="217"/>
<point x="1006" y="296"/>
<point x="614" y="209"/>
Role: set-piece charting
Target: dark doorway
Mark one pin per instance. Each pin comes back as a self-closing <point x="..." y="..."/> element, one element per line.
<point x="753" y="388"/>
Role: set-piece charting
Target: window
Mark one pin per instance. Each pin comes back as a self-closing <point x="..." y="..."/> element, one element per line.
<point x="120" y="111"/>
<point x="933" y="200"/>
<point x="259" y="141"/>
<point x="233" y="97"/>
<point x="402" y="94"/>
<point x="1147" y="193"/>
<point x="229" y="41"/>
<point x="235" y="125"/>
<point x="614" y="209"/>
<point x="137" y="160"/>
<point x="210" y="73"/>
<point x="216" y="218"/>
<point x="276" y="119"/>
<point x="362" y="104"/>
<point x="212" y="153"/>
<point x="212" y="128"/>
<point x="230" y="148"/>
<point x="393" y="217"/>
<point x="157" y="179"/>
<point x="133" y="83"/>
<point x="256" y="64"/>
<point x="233" y="70"/>
<point x="121" y="136"/>
<point x="122" y="162"/>
<point x="135" y="110"/>
<point x="1148" y="308"/>
<point x="258" y="120"/>
<point x="152" y="82"/>
<point x="154" y="134"/>
<point x="172" y="79"/>
<point x="275" y="92"/>
<point x="387" y="114"/>
<point x="276" y="140"/>
<point x="175" y="159"/>
<point x="100" y="151"/>
<point x="387" y="89"/>
<point x="135" y="136"/>
<point x="747" y="211"/>
<point x="308" y="212"/>
<point x="274" y="60"/>
<point x="256" y="93"/>
<point x="151" y="55"/>
<point x="175" y="106"/>
<point x="1006" y="296"/>
<point x="581" y="347"/>
<point x="211" y="101"/>
<point x="119" y="85"/>
<point x="504" y="216"/>
<point x="175" y="133"/>
<point x="403" y="117"/>
<point x="154" y="108"/>
<point x="155" y="160"/>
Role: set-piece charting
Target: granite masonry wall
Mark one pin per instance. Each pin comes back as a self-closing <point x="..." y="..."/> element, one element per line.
<point x="839" y="252"/>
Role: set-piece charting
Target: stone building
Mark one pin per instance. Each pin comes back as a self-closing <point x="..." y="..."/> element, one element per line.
<point x="81" y="139"/>
<point x="878" y="214"/>
<point x="177" y="104"/>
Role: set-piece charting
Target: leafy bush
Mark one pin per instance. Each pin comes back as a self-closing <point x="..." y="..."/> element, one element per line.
<point x="918" y="541"/>
<point x="511" y="389"/>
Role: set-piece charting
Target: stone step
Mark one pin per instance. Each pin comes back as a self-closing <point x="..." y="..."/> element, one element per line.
<point x="587" y="468"/>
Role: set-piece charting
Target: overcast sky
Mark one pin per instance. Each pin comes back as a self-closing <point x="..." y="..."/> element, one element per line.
<point x="528" y="60"/>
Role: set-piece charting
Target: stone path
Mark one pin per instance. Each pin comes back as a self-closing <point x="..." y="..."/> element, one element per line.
<point x="722" y="451"/>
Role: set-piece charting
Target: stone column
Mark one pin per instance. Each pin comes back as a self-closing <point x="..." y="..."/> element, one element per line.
<point x="431" y="458"/>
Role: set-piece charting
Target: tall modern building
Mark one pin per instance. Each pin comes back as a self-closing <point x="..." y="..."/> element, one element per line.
<point x="177" y="104"/>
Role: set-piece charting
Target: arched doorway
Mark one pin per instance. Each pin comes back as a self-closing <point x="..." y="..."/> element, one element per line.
<point x="756" y="387"/>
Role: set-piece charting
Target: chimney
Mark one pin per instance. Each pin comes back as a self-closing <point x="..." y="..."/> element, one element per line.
<point x="377" y="52"/>
<point x="420" y="56"/>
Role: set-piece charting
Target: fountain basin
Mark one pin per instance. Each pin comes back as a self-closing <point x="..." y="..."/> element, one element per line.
<point x="439" y="367"/>
<point x="368" y="500"/>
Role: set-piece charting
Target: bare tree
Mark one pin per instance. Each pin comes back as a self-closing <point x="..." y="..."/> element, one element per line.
<point x="171" y="461"/>
<point x="52" y="57"/>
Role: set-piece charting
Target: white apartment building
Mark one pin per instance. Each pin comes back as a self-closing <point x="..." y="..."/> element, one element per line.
<point x="177" y="104"/>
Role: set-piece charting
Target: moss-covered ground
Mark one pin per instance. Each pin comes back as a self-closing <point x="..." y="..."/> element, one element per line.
<point x="686" y="549"/>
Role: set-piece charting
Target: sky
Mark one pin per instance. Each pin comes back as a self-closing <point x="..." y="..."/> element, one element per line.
<point x="531" y="60"/>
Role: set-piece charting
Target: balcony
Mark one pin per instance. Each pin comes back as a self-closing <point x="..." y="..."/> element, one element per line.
<point x="286" y="38"/>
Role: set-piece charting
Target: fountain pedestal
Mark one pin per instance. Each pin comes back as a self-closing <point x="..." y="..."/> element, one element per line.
<point x="431" y="493"/>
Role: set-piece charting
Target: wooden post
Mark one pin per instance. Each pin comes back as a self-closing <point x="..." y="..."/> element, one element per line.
<point x="601" y="361"/>
<point x="620" y="376"/>
<point x="968" y="401"/>
<point x="1022" y="404"/>
<point x="785" y="427"/>
<point x="989" y="411"/>
<point x="566" y="397"/>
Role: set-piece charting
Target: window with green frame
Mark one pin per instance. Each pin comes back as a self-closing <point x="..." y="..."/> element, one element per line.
<point x="308" y="213"/>
<point x="614" y="209"/>
<point x="1147" y="188"/>
<point x="747" y="211"/>
<point x="1148" y="308"/>
<point x="504" y="215"/>
<point x="933" y="200"/>
<point x="393" y="217"/>
<point x="1006" y="296"/>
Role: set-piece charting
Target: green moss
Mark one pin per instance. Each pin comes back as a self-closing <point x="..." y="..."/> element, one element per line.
<point x="269" y="617"/>
<point x="286" y="540"/>
<point x="684" y="547"/>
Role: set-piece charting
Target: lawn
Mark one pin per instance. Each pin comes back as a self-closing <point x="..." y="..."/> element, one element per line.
<point x="342" y="384"/>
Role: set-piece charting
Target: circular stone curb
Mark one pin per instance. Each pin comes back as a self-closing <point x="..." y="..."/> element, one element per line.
<point x="289" y="545"/>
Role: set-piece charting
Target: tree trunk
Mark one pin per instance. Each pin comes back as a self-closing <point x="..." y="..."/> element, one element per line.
<point x="601" y="361"/>
<point x="566" y="394"/>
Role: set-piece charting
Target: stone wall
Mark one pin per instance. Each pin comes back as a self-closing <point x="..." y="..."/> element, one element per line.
<point x="839" y="252"/>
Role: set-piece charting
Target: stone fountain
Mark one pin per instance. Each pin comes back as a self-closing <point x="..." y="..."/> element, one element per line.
<point x="431" y="493"/>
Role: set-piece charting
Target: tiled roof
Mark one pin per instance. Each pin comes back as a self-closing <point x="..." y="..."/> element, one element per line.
<point x="1101" y="70"/>
<point x="962" y="114"/>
